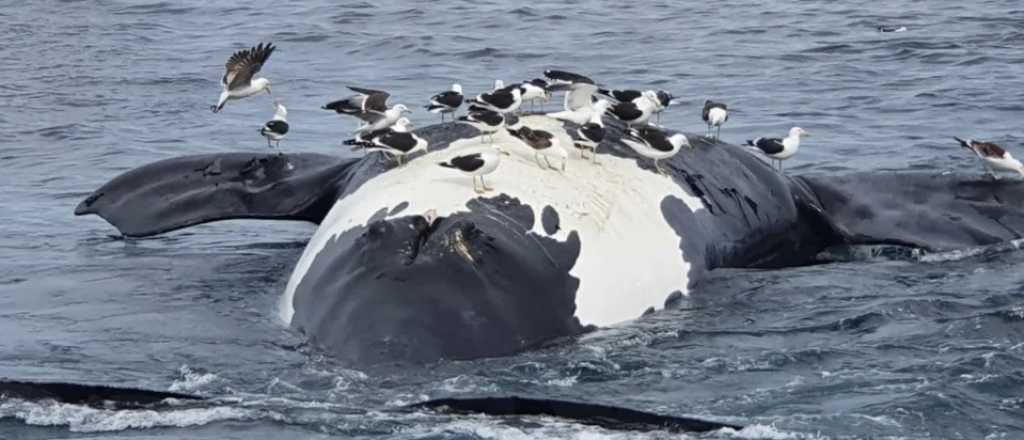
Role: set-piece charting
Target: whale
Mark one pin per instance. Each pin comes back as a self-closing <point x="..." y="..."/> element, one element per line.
<point x="410" y="264"/>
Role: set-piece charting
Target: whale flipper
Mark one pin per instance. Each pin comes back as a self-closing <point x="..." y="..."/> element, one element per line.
<point x="89" y="395"/>
<point x="920" y="210"/>
<point x="184" y="191"/>
<point x="609" y="417"/>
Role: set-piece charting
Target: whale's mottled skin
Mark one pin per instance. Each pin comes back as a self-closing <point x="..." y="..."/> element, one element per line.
<point x="410" y="264"/>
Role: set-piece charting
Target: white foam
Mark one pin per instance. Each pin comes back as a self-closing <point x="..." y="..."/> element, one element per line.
<point x="630" y="255"/>
<point x="79" y="418"/>
<point x="191" y="381"/>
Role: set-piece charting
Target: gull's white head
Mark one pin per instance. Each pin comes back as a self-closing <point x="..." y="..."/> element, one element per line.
<point x="679" y="140"/>
<point x="796" y="132"/>
<point x="499" y="84"/>
<point x="261" y="84"/>
<point x="403" y="124"/>
<point x="280" y="112"/>
<point x="651" y="97"/>
<point x="457" y="88"/>
<point x="401" y="109"/>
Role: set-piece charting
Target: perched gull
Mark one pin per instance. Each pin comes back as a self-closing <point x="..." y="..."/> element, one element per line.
<point x="506" y="100"/>
<point x="580" y="107"/>
<point x="715" y="114"/>
<point x="993" y="156"/>
<point x="446" y="102"/>
<point x="369" y="105"/>
<point x="477" y="165"/>
<point x="238" y="78"/>
<point x="590" y="136"/>
<point x="780" y="149"/>
<point x="664" y="100"/>
<point x="637" y="111"/>
<point x="661" y="99"/>
<point x="655" y="144"/>
<point x="488" y="122"/>
<point x="543" y="143"/>
<point x="398" y="141"/>
<point x="276" y="128"/>
<point x="365" y="140"/>
<point x="535" y="90"/>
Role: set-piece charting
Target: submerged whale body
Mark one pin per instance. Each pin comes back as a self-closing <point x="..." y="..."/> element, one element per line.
<point x="410" y="264"/>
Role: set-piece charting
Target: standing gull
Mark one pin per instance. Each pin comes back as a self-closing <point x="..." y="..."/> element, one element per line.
<point x="369" y="105"/>
<point x="655" y="144"/>
<point x="637" y="111"/>
<point x="238" y="81"/>
<point x="535" y="90"/>
<point x="715" y="114"/>
<point x="780" y="149"/>
<point x="543" y="143"/>
<point x="993" y="156"/>
<point x="276" y="128"/>
<point x="398" y="141"/>
<point x="590" y="136"/>
<point x="446" y="102"/>
<point x="488" y="122"/>
<point x="477" y="165"/>
<point x="506" y="100"/>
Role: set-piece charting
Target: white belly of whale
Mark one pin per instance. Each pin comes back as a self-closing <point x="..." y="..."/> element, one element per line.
<point x="630" y="256"/>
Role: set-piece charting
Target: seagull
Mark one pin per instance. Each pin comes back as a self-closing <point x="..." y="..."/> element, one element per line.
<point x="653" y="143"/>
<point x="477" y="165"/>
<point x="590" y="136"/>
<point x="780" y="149"/>
<point x="664" y="100"/>
<point x="487" y="121"/>
<point x="238" y="79"/>
<point x="534" y="90"/>
<point x="637" y="111"/>
<point x="580" y="107"/>
<point x="660" y="98"/>
<point x="363" y="140"/>
<point x="993" y="156"/>
<point x="398" y="141"/>
<point x="369" y="105"/>
<point x="715" y="114"/>
<point x="446" y="102"/>
<point x="543" y="144"/>
<point x="506" y="100"/>
<point x="276" y="128"/>
<point x="498" y="85"/>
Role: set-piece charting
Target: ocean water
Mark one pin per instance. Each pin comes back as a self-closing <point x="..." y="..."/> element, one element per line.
<point x="875" y="347"/>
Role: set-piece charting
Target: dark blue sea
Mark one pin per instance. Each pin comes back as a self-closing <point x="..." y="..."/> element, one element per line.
<point x="883" y="345"/>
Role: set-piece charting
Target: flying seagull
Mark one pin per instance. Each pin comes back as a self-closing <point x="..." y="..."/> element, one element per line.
<point x="238" y="78"/>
